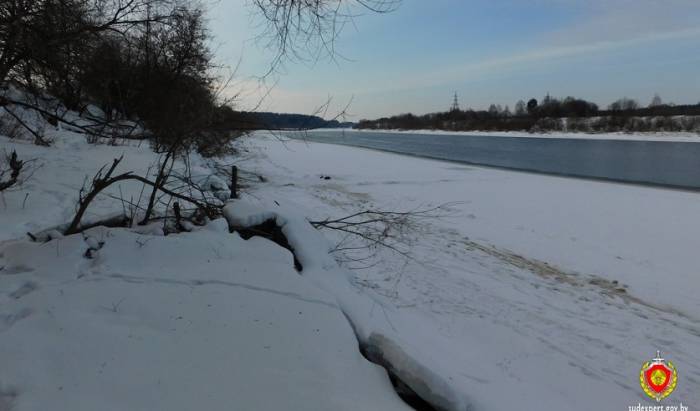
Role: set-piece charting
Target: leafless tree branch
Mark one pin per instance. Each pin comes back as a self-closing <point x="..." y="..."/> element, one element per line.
<point x="376" y="229"/>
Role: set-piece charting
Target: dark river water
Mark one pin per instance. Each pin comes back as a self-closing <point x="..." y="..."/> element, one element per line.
<point x="647" y="162"/>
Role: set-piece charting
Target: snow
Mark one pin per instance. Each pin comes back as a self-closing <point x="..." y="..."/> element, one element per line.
<point x="204" y="178"/>
<point x="203" y="320"/>
<point x="541" y="288"/>
<point x="650" y="136"/>
<point x="49" y="197"/>
<point x="117" y="319"/>
<point x="407" y="360"/>
<point x="534" y="289"/>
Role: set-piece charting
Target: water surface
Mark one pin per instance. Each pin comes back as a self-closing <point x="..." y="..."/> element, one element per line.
<point x="667" y="163"/>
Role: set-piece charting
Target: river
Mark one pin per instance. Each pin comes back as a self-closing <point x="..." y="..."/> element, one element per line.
<point x="665" y="163"/>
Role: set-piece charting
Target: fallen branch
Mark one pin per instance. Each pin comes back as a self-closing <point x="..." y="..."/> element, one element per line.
<point x="39" y="140"/>
<point x="373" y="229"/>
<point x="102" y="180"/>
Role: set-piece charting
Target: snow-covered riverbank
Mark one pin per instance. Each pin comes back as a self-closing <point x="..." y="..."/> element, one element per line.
<point x="200" y="320"/>
<point x="542" y="288"/>
<point x="532" y="290"/>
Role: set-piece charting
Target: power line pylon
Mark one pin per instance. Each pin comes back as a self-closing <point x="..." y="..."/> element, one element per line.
<point x="455" y="103"/>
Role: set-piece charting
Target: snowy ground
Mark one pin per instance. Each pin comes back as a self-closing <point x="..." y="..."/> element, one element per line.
<point x="538" y="290"/>
<point x="542" y="289"/>
<point x="651" y="136"/>
<point x="201" y="320"/>
<point x="198" y="321"/>
<point x="48" y="198"/>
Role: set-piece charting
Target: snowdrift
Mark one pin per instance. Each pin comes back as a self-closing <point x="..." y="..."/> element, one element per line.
<point x="380" y="338"/>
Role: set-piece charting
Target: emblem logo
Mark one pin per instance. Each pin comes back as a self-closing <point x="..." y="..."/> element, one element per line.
<point x="658" y="378"/>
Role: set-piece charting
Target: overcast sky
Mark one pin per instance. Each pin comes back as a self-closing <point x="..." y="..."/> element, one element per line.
<point x="488" y="51"/>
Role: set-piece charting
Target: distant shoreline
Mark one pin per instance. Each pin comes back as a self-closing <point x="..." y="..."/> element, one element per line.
<point x="639" y="136"/>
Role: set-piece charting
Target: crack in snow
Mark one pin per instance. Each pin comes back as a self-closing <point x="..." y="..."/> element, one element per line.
<point x="195" y="283"/>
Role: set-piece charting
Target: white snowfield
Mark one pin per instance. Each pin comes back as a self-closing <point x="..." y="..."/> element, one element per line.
<point x="202" y="321"/>
<point x="540" y="293"/>
<point x="409" y="359"/>
<point x="194" y="321"/>
<point x="542" y="290"/>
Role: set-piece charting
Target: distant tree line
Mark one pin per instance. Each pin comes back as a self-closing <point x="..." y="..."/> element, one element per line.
<point x="283" y="121"/>
<point x="552" y="114"/>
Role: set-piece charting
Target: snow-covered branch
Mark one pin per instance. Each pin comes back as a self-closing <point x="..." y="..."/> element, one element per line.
<point x="366" y="231"/>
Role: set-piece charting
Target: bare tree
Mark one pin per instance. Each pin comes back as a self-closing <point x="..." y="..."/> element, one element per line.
<point x="308" y="29"/>
<point x="44" y="45"/>
<point x="33" y="32"/>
